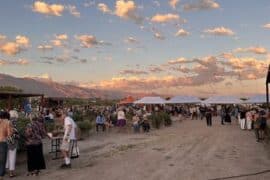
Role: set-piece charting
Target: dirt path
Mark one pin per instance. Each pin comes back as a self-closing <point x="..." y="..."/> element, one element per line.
<point x="189" y="150"/>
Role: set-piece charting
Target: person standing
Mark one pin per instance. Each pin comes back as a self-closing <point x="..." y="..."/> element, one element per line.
<point x="69" y="137"/>
<point x="5" y="132"/>
<point x="100" y="121"/>
<point x="208" y="116"/>
<point x="34" y="133"/>
<point x="249" y="120"/>
<point x="12" y="144"/>
<point x="121" y="118"/>
<point x="243" y="119"/>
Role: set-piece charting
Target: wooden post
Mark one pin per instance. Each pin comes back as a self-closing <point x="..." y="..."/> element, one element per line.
<point x="267" y="95"/>
<point x="42" y="103"/>
<point x="9" y="102"/>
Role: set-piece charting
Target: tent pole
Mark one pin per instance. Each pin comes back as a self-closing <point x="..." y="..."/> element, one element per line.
<point x="267" y="95"/>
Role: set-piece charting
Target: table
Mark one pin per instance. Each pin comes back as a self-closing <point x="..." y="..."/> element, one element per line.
<point x="55" y="147"/>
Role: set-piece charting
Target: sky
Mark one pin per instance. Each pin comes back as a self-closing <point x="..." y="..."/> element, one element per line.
<point x="193" y="47"/>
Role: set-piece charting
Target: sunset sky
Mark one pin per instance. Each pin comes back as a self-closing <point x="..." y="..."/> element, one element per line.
<point x="194" y="47"/>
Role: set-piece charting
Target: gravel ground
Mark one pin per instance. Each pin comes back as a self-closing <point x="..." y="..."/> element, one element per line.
<point x="189" y="150"/>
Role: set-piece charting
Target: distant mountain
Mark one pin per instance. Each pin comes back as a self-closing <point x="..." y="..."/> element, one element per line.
<point x="53" y="89"/>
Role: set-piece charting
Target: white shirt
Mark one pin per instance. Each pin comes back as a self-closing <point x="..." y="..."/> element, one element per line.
<point x="121" y="115"/>
<point x="70" y="121"/>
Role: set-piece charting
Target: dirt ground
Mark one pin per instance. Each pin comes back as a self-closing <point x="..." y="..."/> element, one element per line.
<point x="189" y="150"/>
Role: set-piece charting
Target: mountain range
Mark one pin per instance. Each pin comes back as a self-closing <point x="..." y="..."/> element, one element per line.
<point x="51" y="88"/>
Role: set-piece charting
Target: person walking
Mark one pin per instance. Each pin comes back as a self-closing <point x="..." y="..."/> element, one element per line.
<point x="69" y="138"/>
<point x="208" y="116"/>
<point x="12" y="142"/>
<point x="5" y="132"/>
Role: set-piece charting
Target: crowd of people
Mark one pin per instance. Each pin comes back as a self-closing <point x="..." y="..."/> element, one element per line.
<point x="33" y="135"/>
<point x="107" y="117"/>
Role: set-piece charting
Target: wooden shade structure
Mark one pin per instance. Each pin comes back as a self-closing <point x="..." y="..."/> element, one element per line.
<point x="11" y="95"/>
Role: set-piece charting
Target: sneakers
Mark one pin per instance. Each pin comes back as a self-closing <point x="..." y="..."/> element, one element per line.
<point x="65" y="166"/>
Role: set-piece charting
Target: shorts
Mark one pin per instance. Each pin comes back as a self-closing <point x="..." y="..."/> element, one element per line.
<point x="65" y="145"/>
<point x="263" y="126"/>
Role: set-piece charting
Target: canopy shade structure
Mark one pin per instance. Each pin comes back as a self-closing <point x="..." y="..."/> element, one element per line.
<point x="150" y="100"/>
<point x="257" y="99"/>
<point x="222" y="100"/>
<point x="184" y="100"/>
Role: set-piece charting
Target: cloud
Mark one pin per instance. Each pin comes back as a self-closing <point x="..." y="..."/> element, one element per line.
<point x="180" y="60"/>
<point x="182" y="33"/>
<point x="59" y="40"/>
<point x="159" y="36"/>
<point x="21" y="62"/>
<point x="255" y="50"/>
<point x="131" y="40"/>
<point x="104" y="8"/>
<point x="73" y="11"/>
<point x="127" y="9"/>
<point x="133" y="72"/>
<point x="57" y="43"/>
<point x="266" y="26"/>
<point x="13" y="47"/>
<point x="2" y="37"/>
<point x="201" y="5"/>
<point x="45" y="47"/>
<point x="156" y="3"/>
<point x="89" y="4"/>
<point x="155" y="69"/>
<point x="87" y="41"/>
<point x="48" y="9"/>
<point x="22" y="40"/>
<point x="220" y="31"/>
<point x="10" y="48"/>
<point x="61" y="36"/>
<point x="173" y="3"/>
<point x="164" y="18"/>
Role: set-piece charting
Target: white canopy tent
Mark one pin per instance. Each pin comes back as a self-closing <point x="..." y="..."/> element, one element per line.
<point x="222" y="100"/>
<point x="151" y="100"/>
<point x="184" y="100"/>
<point x="257" y="99"/>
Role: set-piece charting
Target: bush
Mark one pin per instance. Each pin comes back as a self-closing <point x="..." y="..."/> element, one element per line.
<point x="166" y="118"/>
<point x="156" y="120"/>
<point x="50" y="126"/>
<point x="77" y="116"/>
<point x="21" y="126"/>
<point x="84" y="126"/>
<point x="160" y="118"/>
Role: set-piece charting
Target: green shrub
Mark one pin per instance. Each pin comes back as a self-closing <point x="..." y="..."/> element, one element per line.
<point x="77" y="116"/>
<point x="84" y="125"/>
<point x="160" y="118"/>
<point x="156" y="120"/>
<point x="21" y="126"/>
<point x="166" y="118"/>
<point x="50" y="126"/>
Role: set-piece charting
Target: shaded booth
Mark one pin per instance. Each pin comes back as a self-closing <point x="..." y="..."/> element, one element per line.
<point x="10" y="96"/>
<point x="184" y="100"/>
<point x="257" y="99"/>
<point x="126" y="101"/>
<point x="223" y="100"/>
<point x="151" y="101"/>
